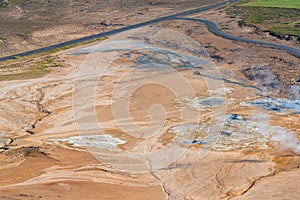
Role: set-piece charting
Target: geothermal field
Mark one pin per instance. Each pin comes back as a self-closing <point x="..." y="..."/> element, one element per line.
<point x="191" y="107"/>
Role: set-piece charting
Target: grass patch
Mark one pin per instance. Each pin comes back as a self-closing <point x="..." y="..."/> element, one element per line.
<point x="273" y="3"/>
<point x="36" y="65"/>
<point x="280" y="18"/>
<point x="52" y="51"/>
<point x="75" y="45"/>
<point x="11" y="156"/>
<point x="29" y="70"/>
<point x="17" y="57"/>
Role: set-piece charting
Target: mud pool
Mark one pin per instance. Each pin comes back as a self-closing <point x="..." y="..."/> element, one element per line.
<point x="235" y="132"/>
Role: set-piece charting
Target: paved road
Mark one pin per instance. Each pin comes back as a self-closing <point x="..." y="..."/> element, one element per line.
<point x="104" y="34"/>
<point x="212" y="27"/>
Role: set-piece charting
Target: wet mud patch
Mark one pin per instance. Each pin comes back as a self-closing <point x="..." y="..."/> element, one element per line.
<point x="232" y="132"/>
<point x="281" y="106"/>
<point x="201" y="103"/>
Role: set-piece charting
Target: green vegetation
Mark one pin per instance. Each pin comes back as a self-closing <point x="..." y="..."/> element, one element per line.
<point x="274" y="3"/>
<point x="3" y="3"/>
<point x="279" y="17"/>
<point x="75" y="45"/>
<point x="28" y="70"/>
<point x="17" y="57"/>
<point x="11" y="156"/>
<point x="60" y="49"/>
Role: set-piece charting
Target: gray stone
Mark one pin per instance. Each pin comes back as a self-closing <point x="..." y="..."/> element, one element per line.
<point x="5" y="141"/>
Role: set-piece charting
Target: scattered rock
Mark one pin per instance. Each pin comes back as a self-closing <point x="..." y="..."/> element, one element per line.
<point x="30" y="132"/>
<point x="5" y="141"/>
<point x="235" y="116"/>
<point x="217" y="58"/>
<point x="197" y="73"/>
<point x="104" y="24"/>
<point x="194" y="142"/>
<point x="225" y="133"/>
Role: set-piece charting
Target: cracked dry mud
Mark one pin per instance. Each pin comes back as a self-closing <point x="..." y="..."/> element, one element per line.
<point x="85" y="131"/>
